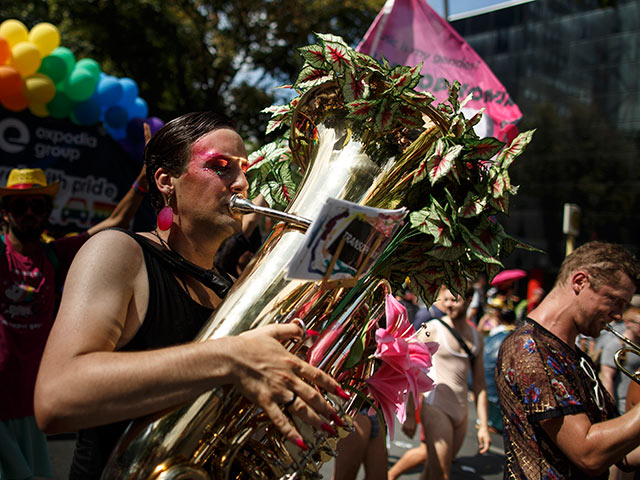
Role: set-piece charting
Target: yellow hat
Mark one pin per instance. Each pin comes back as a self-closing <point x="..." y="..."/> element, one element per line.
<point x="28" y="181"/>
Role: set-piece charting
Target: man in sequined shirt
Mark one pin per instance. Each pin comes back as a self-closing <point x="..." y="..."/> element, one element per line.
<point x="559" y="420"/>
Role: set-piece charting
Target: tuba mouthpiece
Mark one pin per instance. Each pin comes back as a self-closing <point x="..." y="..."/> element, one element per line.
<point x="240" y="204"/>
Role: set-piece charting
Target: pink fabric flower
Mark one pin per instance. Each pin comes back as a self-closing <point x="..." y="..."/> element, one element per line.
<point x="405" y="364"/>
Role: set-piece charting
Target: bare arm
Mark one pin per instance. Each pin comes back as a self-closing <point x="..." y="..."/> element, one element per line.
<point x="607" y="375"/>
<point x="595" y="447"/>
<point x="479" y="385"/>
<point x="409" y="426"/>
<point x="84" y="382"/>
<point x="126" y="208"/>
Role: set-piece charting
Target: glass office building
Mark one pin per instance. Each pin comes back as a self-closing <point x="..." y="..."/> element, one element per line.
<point x="573" y="68"/>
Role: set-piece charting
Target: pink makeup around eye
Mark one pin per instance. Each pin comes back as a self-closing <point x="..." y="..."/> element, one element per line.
<point x="215" y="159"/>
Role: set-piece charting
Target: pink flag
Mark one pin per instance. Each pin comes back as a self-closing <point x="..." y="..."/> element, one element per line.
<point x="408" y="32"/>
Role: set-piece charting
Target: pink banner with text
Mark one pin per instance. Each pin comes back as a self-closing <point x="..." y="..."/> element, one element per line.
<point x="408" y="32"/>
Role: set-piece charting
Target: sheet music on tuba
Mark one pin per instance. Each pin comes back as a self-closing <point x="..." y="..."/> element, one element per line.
<point x="344" y="241"/>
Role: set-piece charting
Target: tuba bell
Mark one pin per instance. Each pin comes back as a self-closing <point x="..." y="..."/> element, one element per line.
<point x="221" y="435"/>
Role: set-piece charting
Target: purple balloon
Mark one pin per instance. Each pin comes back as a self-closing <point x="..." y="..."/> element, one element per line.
<point x="155" y="124"/>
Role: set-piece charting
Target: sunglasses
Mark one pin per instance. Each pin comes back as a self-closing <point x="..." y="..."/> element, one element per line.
<point x="20" y="206"/>
<point x="597" y="394"/>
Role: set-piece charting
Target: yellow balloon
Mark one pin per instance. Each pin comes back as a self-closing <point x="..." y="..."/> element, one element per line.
<point x="38" y="88"/>
<point x="14" y="31"/>
<point x="39" y="110"/>
<point x="26" y="58"/>
<point x="46" y="37"/>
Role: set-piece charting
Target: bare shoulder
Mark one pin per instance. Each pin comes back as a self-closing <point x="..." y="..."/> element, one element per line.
<point x="111" y="249"/>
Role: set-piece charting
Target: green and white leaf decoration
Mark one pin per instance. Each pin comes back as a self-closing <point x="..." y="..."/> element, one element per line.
<point x="449" y="237"/>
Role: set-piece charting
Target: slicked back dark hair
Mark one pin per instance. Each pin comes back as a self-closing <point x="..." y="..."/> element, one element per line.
<point x="170" y="147"/>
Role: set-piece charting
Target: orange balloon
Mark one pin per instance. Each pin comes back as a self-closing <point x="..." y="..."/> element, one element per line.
<point x="5" y="51"/>
<point x="15" y="102"/>
<point x="10" y="81"/>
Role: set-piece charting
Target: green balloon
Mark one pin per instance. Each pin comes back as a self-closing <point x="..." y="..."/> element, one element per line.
<point x="61" y="106"/>
<point x="67" y="56"/>
<point x="89" y="64"/>
<point x="81" y="84"/>
<point x="53" y="67"/>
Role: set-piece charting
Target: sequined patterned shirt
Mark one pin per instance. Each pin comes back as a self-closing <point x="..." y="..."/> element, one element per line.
<point x="539" y="377"/>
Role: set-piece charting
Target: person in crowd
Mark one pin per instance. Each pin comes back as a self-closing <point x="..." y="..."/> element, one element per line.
<point x="491" y="317"/>
<point x="121" y="348"/>
<point x="526" y="305"/>
<point x="479" y="300"/>
<point x="613" y="380"/>
<point x="443" y="414"/>
<point x="424" y="314"/>
<point x="364" y="446"/>
<point x="506" y="324"/>
<point x="32" y="273"/>
<point x="559" y="420"/>
<point x="410" y="301"/>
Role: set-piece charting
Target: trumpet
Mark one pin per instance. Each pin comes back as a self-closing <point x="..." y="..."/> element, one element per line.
<point x="631" y="348"/>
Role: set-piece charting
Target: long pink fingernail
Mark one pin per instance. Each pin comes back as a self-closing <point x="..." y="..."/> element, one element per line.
<point x="312" y="333"/>
<point x="328" y="428"/>
<point x="335" y="418"/>
<point x="342" y="394"/>
<point x="300" y="443"/>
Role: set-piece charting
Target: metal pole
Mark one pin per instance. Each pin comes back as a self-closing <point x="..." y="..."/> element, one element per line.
<point x="446" y="10"/>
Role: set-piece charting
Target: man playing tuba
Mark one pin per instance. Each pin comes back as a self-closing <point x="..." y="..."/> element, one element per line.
<point x="119" y="346"/>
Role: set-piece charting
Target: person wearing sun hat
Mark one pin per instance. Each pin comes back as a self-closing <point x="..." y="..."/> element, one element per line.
<point x="31" y="276"/>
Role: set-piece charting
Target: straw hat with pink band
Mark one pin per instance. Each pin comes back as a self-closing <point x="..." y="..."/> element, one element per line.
<point x="28" y="181"/>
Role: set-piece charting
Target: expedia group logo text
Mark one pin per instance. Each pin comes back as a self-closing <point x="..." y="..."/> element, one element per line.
<point x="51" y="143"/>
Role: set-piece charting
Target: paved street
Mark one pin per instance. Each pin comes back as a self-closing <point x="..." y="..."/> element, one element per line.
<point x="468" y="465"/>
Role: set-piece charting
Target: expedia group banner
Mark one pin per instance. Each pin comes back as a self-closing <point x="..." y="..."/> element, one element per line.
<point x="93" y="170"/>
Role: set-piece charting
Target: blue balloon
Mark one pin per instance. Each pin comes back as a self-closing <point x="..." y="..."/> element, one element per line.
<point x="108" y="92"/>
<point x="116" y="133"/>
<point x="87" y="112"/>
<point x="138" y="109"/>
<point x="129" y="91"/>
<point x="116" y="117"/>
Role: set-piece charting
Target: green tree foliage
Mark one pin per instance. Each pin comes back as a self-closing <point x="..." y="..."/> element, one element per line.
<point x="190" y="55"/>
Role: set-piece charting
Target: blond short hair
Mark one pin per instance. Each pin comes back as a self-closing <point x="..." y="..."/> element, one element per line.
<point x="604" y="262"/>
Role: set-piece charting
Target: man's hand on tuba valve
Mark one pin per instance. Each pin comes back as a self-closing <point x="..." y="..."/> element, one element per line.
<point x="270" y="376"/>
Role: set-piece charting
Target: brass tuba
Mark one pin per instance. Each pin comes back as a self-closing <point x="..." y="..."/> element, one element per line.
<point x="221" y="435"/>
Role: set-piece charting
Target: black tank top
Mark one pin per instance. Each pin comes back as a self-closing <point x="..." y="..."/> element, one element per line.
<point x="172" y="318"/>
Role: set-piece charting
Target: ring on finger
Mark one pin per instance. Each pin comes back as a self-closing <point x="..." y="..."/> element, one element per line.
<point x="290" y="402"/>
<point x="301" y="324"/>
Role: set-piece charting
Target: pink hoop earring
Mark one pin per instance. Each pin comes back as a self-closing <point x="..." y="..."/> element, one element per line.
<point x="165" y="217"/>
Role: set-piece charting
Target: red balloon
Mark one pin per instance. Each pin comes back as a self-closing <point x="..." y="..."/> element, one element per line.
<point x="15" y="102"/>
<point x="5" y="51"/>
<point x="10" y="81"/>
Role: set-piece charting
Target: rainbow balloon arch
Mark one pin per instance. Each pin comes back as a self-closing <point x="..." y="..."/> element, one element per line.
<point x="38" y="74"/>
